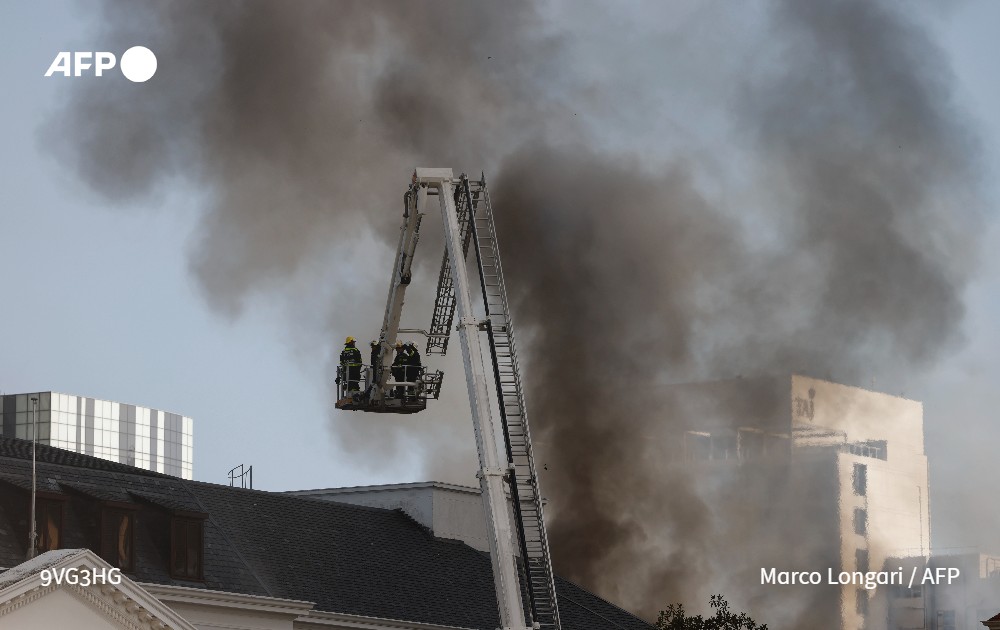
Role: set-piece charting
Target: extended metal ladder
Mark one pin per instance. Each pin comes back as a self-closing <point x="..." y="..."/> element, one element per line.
<point x="523" y="480"/>
<point x="444" y="302"/>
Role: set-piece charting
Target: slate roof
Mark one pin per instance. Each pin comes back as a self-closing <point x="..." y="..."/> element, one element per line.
<point x="346" y="558"/>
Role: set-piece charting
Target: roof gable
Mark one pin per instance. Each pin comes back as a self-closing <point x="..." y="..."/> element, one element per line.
<point x="112" y="596"/>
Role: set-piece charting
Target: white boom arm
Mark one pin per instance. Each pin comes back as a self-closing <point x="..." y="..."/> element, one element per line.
<point x="492" y="470"/>
<point x="408" y="236"/>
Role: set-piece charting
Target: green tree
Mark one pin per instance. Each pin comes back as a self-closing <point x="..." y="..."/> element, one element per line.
<point x="673" y="618"/>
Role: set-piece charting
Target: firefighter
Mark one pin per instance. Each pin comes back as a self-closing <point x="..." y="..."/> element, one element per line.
<point x="399" y="368"/>
<point x="350" y="362"/>
<point x="414" y="369"/>
<point x="376" y="357"/>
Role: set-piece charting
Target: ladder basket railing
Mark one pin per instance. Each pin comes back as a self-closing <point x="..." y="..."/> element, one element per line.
<point x="423" y="383"/>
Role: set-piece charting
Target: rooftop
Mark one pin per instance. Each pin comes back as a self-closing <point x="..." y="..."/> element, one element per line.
<point x="346" y="558"/>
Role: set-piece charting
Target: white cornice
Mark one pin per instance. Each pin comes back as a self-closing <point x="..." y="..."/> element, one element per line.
<point x="113" y="605"/>
<point x="258" y="603"/>
<point x="302" y="611"/>
<point x="24" y="598"/>
<point x="318" y="618"/>
<point x="417" y="485"/>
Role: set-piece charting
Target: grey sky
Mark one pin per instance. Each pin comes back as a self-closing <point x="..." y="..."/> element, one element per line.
<point x="99" y="300"/>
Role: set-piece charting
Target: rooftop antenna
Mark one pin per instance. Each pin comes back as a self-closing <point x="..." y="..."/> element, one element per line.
<point x="33" y="534"/>
<point x="245" y="475"/>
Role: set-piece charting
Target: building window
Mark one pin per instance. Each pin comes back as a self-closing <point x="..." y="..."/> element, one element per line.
<point x="118" y="538"/>
<point x="946" y="620"/>
<point x="861" y="559"/>
<point x="861" y="602"/>
<point x="697" y="446"/>
<point x="724" y="447"/>
<point x="860" y="521"/>
<point x="187" y="548"/>
<point x="902" y="591"/>
<point x="860" y="480"/>
<point x="48" y="524"/>
<point x="750" y="443"/>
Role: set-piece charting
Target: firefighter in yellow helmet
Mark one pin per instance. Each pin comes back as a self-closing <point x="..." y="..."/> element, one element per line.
<point x="350" y="362"/>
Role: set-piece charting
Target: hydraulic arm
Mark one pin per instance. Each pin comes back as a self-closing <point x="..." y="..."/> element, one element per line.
<point x="520" y="554"/>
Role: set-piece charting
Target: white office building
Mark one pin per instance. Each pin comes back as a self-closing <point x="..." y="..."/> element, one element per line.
<point x="129" y="434"/>
<point x="805" y="474"/>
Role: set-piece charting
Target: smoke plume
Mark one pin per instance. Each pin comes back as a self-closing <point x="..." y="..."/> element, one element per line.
<point x="829" y="232"/>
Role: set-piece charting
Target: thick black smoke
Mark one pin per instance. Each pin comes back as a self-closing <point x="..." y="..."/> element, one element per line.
<point x="302" y="124"/>
<point x="841" y="248"/>
<point x="862" y="173"/>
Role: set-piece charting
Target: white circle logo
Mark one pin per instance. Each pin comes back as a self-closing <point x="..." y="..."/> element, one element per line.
<point x="138" y="64"/>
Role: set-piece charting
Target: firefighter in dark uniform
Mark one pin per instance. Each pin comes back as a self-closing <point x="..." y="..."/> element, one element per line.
<point x="376" y="358"/>
<point x="399" y="368"/>
<point x="414" y="368"/>
<point x="350" y="361"/>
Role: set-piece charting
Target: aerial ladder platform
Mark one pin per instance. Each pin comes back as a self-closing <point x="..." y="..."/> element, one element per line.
<point x="522" y="567"/>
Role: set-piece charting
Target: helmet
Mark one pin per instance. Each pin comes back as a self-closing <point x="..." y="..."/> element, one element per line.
<point x="349" y="340"/>
<point x="374" y="343"/>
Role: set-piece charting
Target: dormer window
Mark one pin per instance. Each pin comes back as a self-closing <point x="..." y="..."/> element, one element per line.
<point x="187" y="548"/>
<point x="118" y="537"/>
<point x="48" y="524"/>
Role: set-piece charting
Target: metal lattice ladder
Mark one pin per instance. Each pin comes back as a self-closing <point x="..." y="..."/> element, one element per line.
<point x="444" y="302"/>
<point x="523" y="480"/>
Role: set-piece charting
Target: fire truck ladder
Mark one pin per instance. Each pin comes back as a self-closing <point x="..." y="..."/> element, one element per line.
<point x="444" y="302"/>
<point x="523" y="481"/>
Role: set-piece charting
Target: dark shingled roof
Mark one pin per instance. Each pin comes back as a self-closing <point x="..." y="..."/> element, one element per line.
<point x="21" y="449"/>
<point x="346" y="558"/>
<point x="101" y="493"/>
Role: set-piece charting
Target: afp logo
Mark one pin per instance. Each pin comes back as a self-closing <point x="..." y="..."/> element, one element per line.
<point x="138" y="64"/>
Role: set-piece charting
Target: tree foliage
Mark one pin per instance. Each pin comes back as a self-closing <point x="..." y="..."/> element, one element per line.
<point x="673" y="618"/>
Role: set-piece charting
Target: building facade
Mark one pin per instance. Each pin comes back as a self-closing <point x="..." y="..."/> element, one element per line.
<point x="446" y="510"/>
<point x="812" y="476"/>
<point x="961" y="601"/>
<point x="128" y="434"/>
